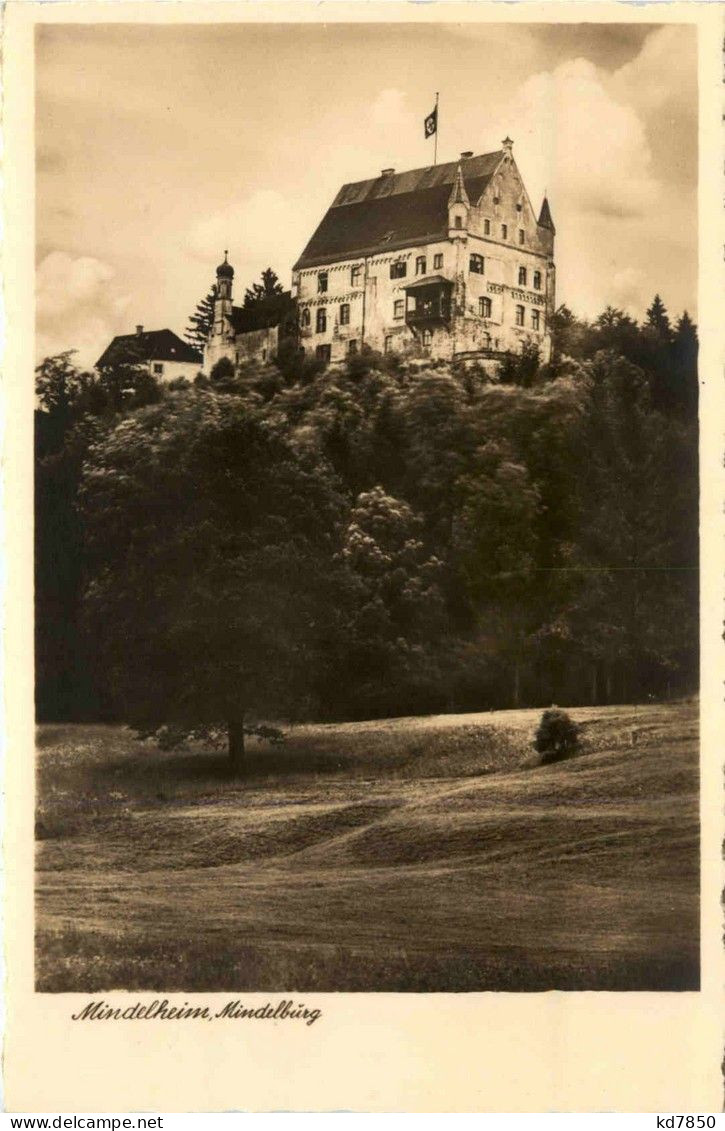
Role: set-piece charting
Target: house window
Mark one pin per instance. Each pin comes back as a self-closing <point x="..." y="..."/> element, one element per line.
<point x="522" y="276"/>
<point x="345" y="314"/>
<point x="521" y="235"/>
<point x="322" y="282"/>
<point x="475" y="264"/>
<point x="537" y="280"/>
<point x="322" y="353"/>
<point x="504" y="232"/>
<point x="388" y="343"/>
<point x="420" y="265"/>
<point x="427" y="337"/>
<point x="536" y="319"/>
<point x="355" y="276"/>
<point x="305" y="316"/>
<point x="399" y="269"/>
<point x="519" y="315"/>
<point x="321" y="324"/>
<point x="352" y="345"/>
<point x="487" y="227"/>
<point x="437" y="261"/>
<point x="158" y="368"/>
<point x="399" y="308"/>
<point x="484" y="307"/>
<point x="458" y="222"/>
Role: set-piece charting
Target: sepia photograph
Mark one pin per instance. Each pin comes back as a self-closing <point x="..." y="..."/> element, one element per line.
<point x="366" y="481"/>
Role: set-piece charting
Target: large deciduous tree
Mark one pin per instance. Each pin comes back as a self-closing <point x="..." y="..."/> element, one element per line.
<point x="210" y="545"/>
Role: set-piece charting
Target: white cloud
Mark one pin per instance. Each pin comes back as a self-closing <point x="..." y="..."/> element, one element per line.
<point x="629" y="290"/>
<point x="664" y="72"/>
<point x="586" y="148"/>
<point x="262" y="230"/>
<point x="77" y="306"/>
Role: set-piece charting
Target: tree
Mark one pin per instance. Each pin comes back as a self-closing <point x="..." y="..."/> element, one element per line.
<point x="684" y="357"/>
<point x="210" y="547"/>
<point x="397" y="608"/>
<point x="520" y="368"/>
<point x="634" y="613"/>
<point x="269" y="287"/>
<point x="75" y="409"/>
<point x="201" y="322"/>
<point x="658" y="318"/>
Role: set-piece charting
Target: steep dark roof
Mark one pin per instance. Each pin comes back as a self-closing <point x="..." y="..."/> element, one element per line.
<point x="149" y="345"/>
<point x="261" y="315"/>
<point x="395" y="210"/>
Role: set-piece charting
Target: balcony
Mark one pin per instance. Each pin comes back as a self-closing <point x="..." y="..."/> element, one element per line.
<point x="428" y="302"/>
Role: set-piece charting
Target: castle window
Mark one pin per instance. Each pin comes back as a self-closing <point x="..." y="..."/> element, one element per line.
<point x="504" y="232"/>
<point x="484" y="307"/>
<point x="399" y="269"/>
<point x="264" y="355"/>
<point x="487" y="227"/>
<point x="420" y="265"/>
<point x="352" y="345"/>
<point x="427" y="337"/>
<point x="519" y="207"/>
<point x="475" y="264"/>
<point x="519" y="315"/>
<point x="158" y="368"/>
<point x="399" y="308"/>
<point x="537" y="280"/>
<point x="458" y="223"/>
<point x="438" y="261"/>
<point x="322" y="353"/>
<point x="305" y="316"/>
<point x="536" y="319"/>
<point x="355" y="276"/>
<point x="388" y="343"/>
<point x="345" y="314"/>
<point x="522" y="276"/>
<point x="522" y="237"/>
<point x="321" y="324"/>
<point x="322" y="282"/>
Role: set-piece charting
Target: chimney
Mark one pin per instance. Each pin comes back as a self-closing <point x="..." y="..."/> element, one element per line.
<point x="139" y="331"/>
<point x="387" y="172"/>
<point x="467" y="153"/>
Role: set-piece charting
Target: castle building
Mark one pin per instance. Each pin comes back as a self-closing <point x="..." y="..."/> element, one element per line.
<point x="242" y="333"/>
<point x="448" y="262"/>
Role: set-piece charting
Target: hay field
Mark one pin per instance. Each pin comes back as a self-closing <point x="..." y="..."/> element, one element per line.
<point x="423" y="854"/>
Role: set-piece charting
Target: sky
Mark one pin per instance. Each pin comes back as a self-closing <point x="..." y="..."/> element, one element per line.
<point x="158" y="147"/>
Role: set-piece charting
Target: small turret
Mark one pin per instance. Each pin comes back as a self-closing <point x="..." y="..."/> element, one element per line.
<point x="545" y="220"/>
<point x="224" y="278"/>
<point x="458" y="206"/>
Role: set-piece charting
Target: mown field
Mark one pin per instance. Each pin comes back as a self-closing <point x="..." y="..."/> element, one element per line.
<point x="424" y="854"/>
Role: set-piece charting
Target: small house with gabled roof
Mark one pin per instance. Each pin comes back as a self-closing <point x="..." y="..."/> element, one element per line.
<point x="162" y="352"/>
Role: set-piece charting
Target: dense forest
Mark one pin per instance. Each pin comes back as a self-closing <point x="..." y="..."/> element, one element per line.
<point x="382" y="538"/>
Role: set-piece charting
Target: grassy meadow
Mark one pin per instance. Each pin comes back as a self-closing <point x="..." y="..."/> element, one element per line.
<point x="419" y="854"/>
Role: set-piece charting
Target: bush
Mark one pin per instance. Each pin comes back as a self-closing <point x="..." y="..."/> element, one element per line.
<point x="557" y="736"/>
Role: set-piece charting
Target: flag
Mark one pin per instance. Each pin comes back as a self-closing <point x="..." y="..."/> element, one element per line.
<point x="430" y="125"/>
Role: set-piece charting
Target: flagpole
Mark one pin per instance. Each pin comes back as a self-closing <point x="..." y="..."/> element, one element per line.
<point x="435" y="144"/>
